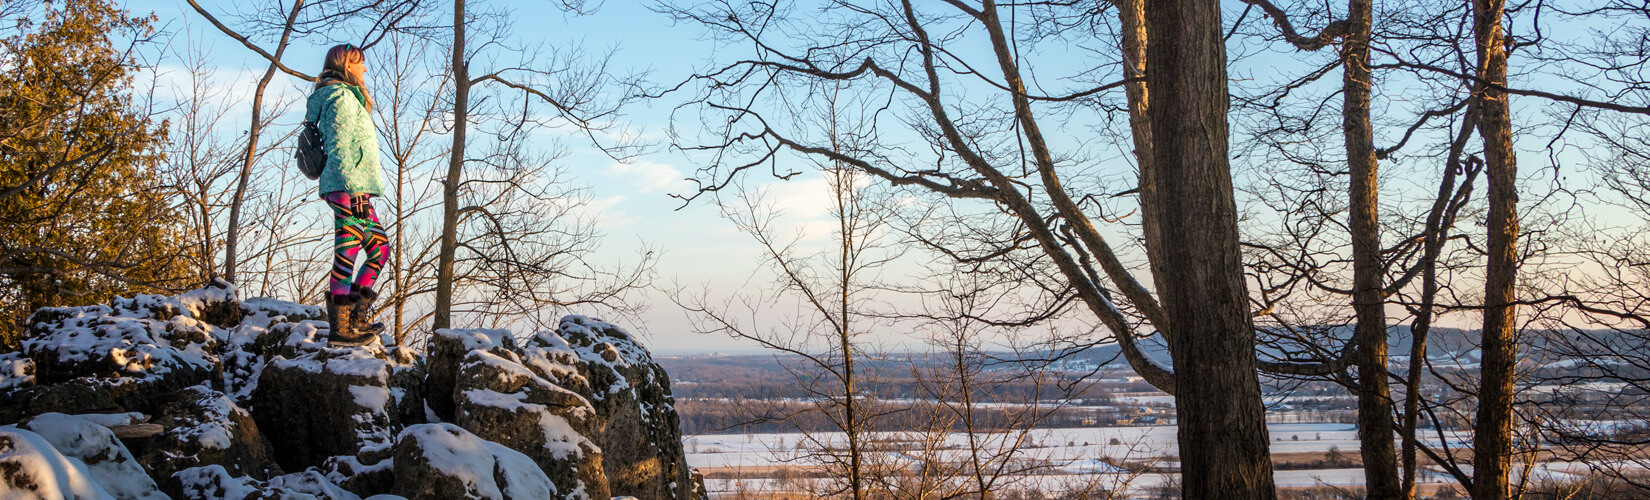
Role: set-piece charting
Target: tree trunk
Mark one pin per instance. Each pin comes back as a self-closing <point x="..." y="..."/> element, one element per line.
<point x="1493" y="432"/>
<point x="397" y="264"/>
<point x="233" y="239"/>
<point x="1223" y="440"/>
<point x="1375" y="429"/>
<point x="455" y="172"/>
<point x="1132" y="16"/>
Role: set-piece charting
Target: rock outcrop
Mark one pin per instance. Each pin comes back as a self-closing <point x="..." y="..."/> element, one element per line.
<point x="641" y="441"/>
<point x="446" y="461"/>
<point x="446" y="352"/>
<point x="214" y="483"/>
<point x="203" y="427"/>
<point x="126" y="355"/>
<point x="325" y="403"/>
<point x="213" y="397"/>
<point x="505" y="403"/>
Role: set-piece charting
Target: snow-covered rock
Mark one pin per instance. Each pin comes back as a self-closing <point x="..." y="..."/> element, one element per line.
<point x="230" y="393"/>
<point x="447" y="350"/>
<point x="640" y="434"/>
<point x="407" y="375"/>
<point x="696" y="481"/>
<point x="368" y="473"/>
<point x="212" y="482"/>
<point x="31" y="468"/>
<point x="205" y="427"/>
<point x="325" y="403"/>
<point x="16" y="372"/>
<point x="117" y="353"/>
<point x="268" y="327"/>
<point x="444" y="461"/>
<point x="107" y="461"/>
<point x="502" y="401"/>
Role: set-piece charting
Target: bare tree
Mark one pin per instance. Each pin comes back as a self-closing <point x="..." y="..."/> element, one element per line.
<point x="580" y="93"/>
<point x="409" y="104"/>
<point x="912" y="61"/>
<point x="198" y="160"/>
<point x="1210" y="332"/>
<point x="829" y="333"/>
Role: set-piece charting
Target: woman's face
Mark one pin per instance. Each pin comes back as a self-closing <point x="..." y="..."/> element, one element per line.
<point x="357" y="69"/>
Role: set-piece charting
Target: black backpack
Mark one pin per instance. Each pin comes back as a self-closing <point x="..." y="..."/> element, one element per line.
<point x="312" y="151"/>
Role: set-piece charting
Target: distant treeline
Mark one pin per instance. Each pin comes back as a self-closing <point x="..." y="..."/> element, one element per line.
<point x="771" y="377"/>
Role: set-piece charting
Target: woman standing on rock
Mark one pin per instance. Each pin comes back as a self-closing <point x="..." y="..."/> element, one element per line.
<point x="341" y="108"/>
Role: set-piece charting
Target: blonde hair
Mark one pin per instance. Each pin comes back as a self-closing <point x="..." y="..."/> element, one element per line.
<point x="332" y="69"/>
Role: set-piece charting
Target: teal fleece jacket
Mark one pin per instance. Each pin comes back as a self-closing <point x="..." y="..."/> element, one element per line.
<point x="350" y="137"/>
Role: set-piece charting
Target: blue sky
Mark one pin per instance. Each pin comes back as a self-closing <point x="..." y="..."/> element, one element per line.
<point x="701" y="249"/>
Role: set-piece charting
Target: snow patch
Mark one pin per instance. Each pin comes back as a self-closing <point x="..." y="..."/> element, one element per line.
<point x="107" y="462"/>
<point x="16" y="370"/>
<point x="30" y="460"/>
<point x="457" y="453"/>
<point x="372" y="398"/>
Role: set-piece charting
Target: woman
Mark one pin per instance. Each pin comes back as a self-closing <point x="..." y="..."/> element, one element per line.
<point x="341" y="108"/>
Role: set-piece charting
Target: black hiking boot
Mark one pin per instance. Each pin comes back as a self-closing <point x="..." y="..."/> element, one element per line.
<point x="363" y="311"/>
<point x="340" y="309"/>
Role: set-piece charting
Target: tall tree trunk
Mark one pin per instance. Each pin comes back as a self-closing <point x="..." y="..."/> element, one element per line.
<point x="455" y="172"/>
<point x="1375" y="430"/>
<point x="1493" y="432"/>
<point x="233" y="239"/>
<point x="847" y="225"/>
<point x="1132" y="16"/>
<point x="397" y="264"/>
<point x="1223" y="440"/>
<point x="1439" y="222"/>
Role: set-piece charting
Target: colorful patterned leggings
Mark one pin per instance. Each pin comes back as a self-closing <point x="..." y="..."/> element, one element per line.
<point x="357" y="228"/>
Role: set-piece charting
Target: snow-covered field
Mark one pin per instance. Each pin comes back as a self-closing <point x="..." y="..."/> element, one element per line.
<point x="1134" y="443"/>
<point x="1073" y="454"/>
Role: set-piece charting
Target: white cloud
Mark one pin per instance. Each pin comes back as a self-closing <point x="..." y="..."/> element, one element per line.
<point x="651" y="177"/>
<point x="607" y="212"/>
<point x="805" y="199"/>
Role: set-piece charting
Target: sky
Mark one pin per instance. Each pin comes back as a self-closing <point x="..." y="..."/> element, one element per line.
<point x="700" y="248"/>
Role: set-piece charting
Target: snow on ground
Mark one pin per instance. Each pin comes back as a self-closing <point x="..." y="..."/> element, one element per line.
<point x="1077" y="457"/>
<point x="1131" y="486"/>
<point x="1073" y="444"/>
